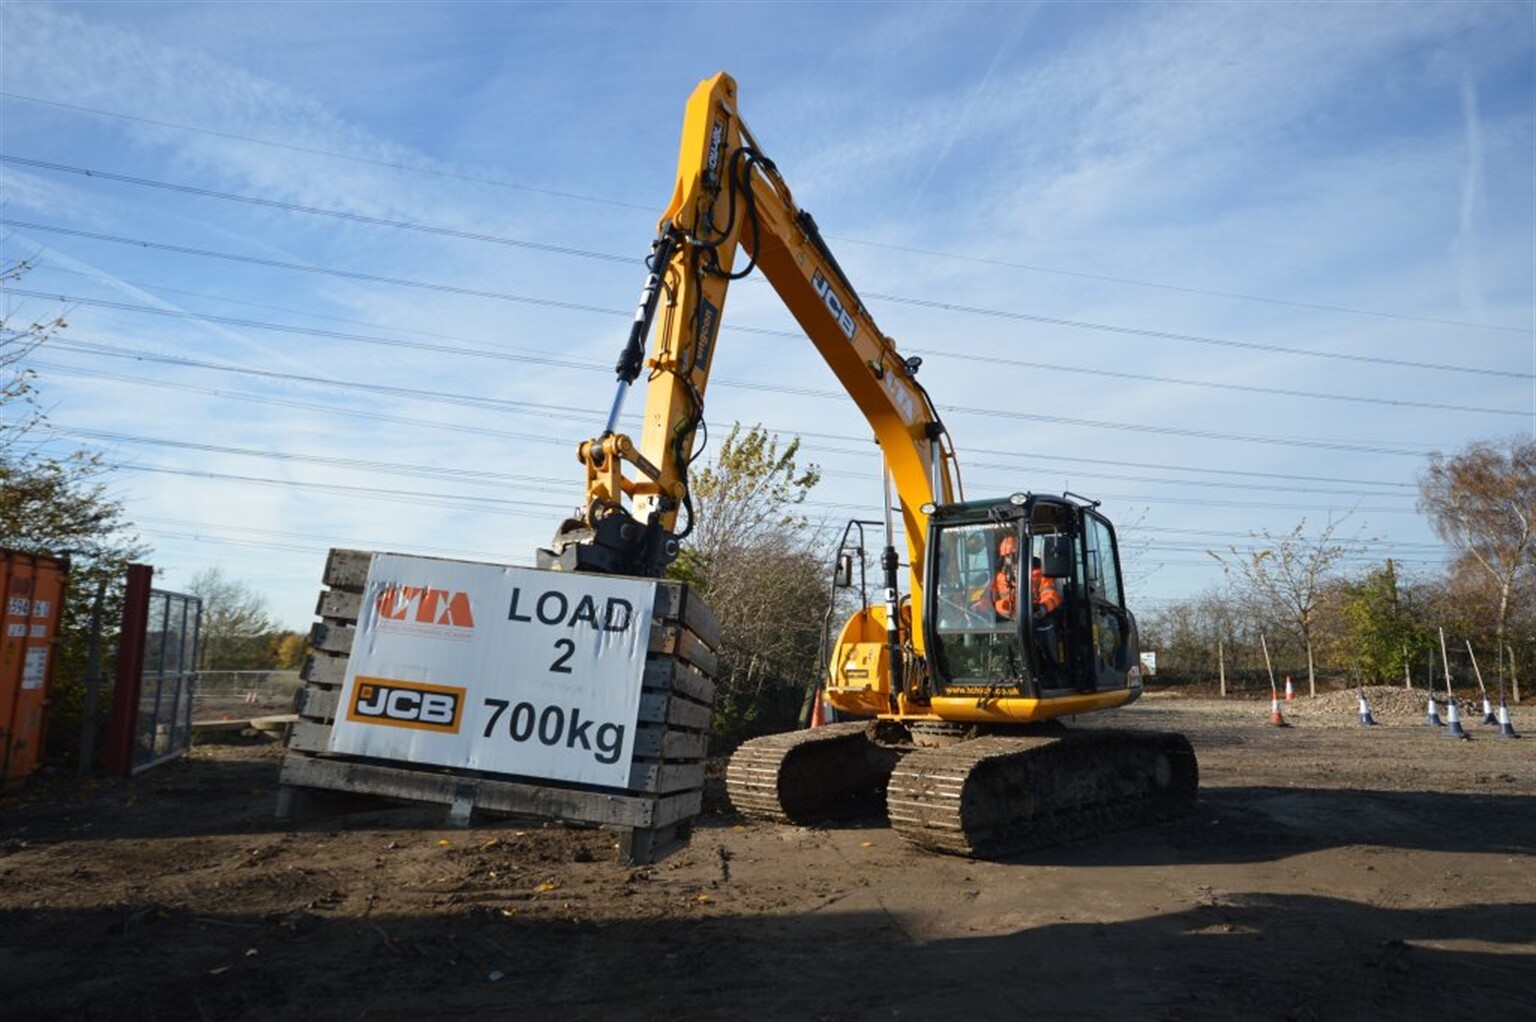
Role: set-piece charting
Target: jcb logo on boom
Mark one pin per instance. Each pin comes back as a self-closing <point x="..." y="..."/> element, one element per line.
<point x="834" y="304"/>
<point x="423" y="605"/>
<point x="901" y="397"/>
<point x="409" y="704"/>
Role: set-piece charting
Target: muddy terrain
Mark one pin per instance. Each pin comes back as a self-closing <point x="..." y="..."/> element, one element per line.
<point x="1330" y="871"/>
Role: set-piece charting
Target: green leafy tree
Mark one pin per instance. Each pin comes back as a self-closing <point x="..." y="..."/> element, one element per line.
<point x="756" y="560"/>
<point x="1380" y="635"/>
<point x="237" y="630"/>
<point x="62" y="508"/>
<point x="750" y="492"/>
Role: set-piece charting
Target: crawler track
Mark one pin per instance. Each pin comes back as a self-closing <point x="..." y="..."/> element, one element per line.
<point x="998" y="796"/>
<point x="987" y="797"/>
<point x="802" y="777"/>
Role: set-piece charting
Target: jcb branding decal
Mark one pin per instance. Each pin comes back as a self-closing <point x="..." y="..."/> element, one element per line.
<point x="709" y="318"/>
<point x="716" y="143"/>
<point x="425" y="610"/>
<point x="407" y="704"/>
<point x="901" y="397"/>
<point x="834" y="304"/>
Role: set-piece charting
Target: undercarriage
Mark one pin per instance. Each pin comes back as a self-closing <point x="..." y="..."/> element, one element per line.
<point x="989" y="796"/>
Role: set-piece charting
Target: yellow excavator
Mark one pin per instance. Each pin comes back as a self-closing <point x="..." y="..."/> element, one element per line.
<point x="953" y="692"/>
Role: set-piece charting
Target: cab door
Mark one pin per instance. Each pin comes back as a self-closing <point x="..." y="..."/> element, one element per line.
<point x="1113" y="645"/>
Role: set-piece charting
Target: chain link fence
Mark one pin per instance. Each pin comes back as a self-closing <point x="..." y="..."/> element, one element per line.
<point x="241" y="695"/>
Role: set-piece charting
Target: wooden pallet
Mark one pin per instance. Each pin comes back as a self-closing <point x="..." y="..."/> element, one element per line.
<point x="653" y="814"/>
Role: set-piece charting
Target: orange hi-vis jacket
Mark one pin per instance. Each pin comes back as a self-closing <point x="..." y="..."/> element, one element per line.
<point x="1042" y="590"/>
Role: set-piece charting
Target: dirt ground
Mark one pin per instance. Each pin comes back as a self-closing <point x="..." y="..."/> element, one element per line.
<point x="1330" y="871"/>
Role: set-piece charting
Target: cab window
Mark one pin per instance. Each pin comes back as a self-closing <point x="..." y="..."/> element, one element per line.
<point x="976" y="582"/>
<point x="1103" y="572"/>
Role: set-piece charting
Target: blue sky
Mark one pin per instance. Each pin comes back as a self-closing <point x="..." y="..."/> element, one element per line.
<point x="1225" y="267"/>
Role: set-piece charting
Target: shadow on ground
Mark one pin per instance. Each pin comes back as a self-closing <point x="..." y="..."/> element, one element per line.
<point x="1250" y="957"/>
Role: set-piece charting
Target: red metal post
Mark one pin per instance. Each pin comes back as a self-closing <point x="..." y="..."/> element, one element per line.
<point x="118" y="756"/>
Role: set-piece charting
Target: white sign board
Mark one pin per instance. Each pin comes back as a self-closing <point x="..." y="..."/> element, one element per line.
<point x="1149" y="661"/>
<point x="503" y="669"/>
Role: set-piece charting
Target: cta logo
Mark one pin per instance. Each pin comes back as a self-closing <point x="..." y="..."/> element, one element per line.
<point x="411" y="704"/>
<point x="425" y="611"/>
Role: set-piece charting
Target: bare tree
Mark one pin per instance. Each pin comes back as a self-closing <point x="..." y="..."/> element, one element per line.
<point x="1287" y="577"/>
<point x="1482" y="501"/>
<point x="1190" y="636"/>
<point x="236" y="627"/>
<point x="18" y="381"/>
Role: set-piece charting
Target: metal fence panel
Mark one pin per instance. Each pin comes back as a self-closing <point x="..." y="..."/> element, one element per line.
<point x="164" y="725"/>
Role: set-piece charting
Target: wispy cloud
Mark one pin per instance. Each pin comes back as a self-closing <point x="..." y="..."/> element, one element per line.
<point x="1466" y="245"/>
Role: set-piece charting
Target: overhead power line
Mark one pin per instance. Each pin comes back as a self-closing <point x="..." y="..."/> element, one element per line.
<point x="328" y="409"/>
<point x="594" y="415"/>
<point x="1012" y="470"/>
<point x="524" y="354"/>
<point x="246" y="536"/>
<point x="459" y="501"/>
<point x="335" y="214"/>
<point x="279" y="264"/>
<point x="1180" y="289"/>
<point x="471" y="502"/>
<point x="371" y="278"/>
<point x="499" y="182"/>
<point x="309" y="542"/>
<point x="957" y="256"/>
<point x="469" y="475"/>
<point x="1166" y="335"/>
<point x="477" y="502"/>
<point x="506" y="352"/>
<point x="95" y="347"/>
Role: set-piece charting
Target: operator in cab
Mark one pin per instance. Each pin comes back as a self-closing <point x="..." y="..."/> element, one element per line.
<point x="1043" y="592"/>
<point x="1002" y="593"/>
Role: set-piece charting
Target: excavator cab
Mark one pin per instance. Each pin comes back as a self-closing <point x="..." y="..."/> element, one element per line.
<point x="996" y="630"/>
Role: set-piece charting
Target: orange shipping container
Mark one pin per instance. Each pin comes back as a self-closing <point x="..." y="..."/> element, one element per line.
<point x="33" y="588"/>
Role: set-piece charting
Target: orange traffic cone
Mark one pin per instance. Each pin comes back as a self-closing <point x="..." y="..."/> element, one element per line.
<point x="818" y="711"/>
<point x="1290" y="690"/>
<point x="1275" y="716"/>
